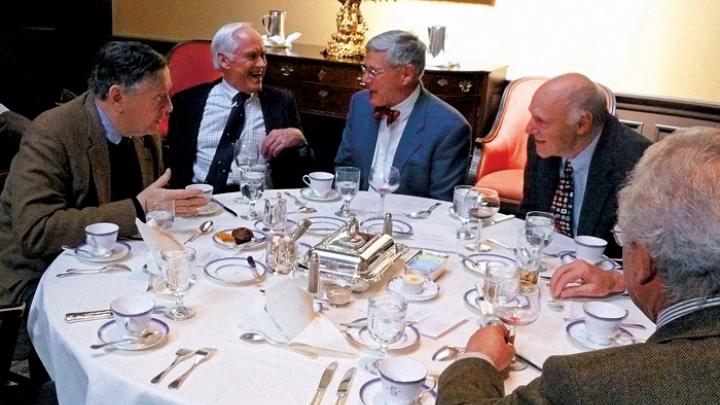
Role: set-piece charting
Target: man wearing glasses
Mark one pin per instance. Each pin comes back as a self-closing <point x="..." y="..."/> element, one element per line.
<point x="395" y="122"/>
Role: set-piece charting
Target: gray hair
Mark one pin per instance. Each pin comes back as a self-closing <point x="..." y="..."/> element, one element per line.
<point x="225" y="40"/>
<point x="401" y="48"/>
<point x="588" y="98"/>
<point x="124" y="63"/>
<point x="671" y="203"/>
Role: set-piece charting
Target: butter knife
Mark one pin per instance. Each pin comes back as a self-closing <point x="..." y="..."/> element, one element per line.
<point x="253" y="267"/>
<point x="225" y="207"/>
<point x="344" y="387"/>
<point x="71" y="317"/>
<point x="324" y="382"/>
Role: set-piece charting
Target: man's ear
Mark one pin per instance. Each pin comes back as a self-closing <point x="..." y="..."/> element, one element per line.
<point x="115" y="97"/>
<point x="408" y="72"/>
<point x="585" y="123"/>
<point x="646" y="272"/>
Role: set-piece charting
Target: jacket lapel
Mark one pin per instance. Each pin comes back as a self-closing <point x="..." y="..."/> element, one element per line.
<point x="411" y="138"/>
<point x="98" y="152"/>
<point x="598" y="188"/>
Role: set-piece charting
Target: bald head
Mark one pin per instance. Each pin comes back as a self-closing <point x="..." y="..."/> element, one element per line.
<point x="577" y="94"/>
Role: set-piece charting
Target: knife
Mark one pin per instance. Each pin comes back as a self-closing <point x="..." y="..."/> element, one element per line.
<point x="225" y="207"/>
<point x="71" y="317"/>
<point x="528" y="362"/>
<point x="253" y="267"/>
<point x="324" y="382"/>
<point x="344" y="386"/>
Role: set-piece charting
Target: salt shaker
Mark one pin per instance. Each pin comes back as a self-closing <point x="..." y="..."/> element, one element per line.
<point x="388" y="224"/>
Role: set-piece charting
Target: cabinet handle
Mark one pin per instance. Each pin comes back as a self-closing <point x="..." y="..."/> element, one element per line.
<point x="465" y="86"/>
<point x="442" y="82"/>
<point x="323" y="93"/>
<point x="286" y="70"/>
<point x="321" y="74"/>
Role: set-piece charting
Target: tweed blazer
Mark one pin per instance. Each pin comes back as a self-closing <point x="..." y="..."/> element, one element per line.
<point x="12" y="126"/>
<point x="616" y="153"/>
<point x="279" y="111"/>
<point x="59" y="182"/>
<point x="675" y="366"/>
<point x="433" y="153"/>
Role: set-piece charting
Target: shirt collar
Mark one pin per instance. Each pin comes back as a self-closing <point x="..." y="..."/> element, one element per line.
<point x="3" y="109"/>
<point x="683" y="308"/>
<point x="581" y="162"/>
<point x="405" y="107"/>
<point x="227" y="90"/>
<point x="110" y="132"/>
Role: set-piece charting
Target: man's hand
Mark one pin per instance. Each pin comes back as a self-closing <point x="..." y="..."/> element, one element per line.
<point x="187" y="202"/>
<point x="582" y="279"/>
<point x="491" y="341"/>
<point x="280" y="139"/>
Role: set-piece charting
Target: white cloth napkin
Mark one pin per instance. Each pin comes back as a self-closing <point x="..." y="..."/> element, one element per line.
<point x="284" y="315"/>
<point x="157" y="239"/>
<point x="441" y="60"/>
<point x="278" y="41"/>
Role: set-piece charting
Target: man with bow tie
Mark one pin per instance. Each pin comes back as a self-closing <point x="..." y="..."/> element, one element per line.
<point x="395" y="122"/>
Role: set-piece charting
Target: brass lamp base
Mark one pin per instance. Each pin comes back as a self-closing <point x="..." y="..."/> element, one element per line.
<point x="348" y="42"/>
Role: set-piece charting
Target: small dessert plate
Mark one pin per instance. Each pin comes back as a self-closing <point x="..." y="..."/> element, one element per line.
<point x="430" y="290"/>
<point x="257" y="241"/>
<point x="87" y="253"/>
<point x="375" y="225"/>
<point x="606" y="263"/>
<point x="361" y="337"/>
<point x="110" y="332"/>
<point x="371" y="393"/>
<point x="260" y="225"/>
<point x="325" y="225"/>
<point x="577" y="335"/>
<point x="308" y="194"/>
<point x="486" y="259"/>
<point x="211" y="208"/>
<point x="234" y="271"/>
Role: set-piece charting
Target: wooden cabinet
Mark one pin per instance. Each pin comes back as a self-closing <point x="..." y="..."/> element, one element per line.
<point x="323" y="88"/>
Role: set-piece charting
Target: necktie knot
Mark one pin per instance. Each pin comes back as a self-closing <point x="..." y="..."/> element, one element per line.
<point x="392" y="115"/>
<point x="240" y="98"/>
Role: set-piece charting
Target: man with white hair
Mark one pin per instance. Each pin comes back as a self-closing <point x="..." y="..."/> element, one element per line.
<point x="669" y="214"/>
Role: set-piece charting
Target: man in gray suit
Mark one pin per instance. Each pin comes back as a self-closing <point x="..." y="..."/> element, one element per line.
<point x="670" y="216"/>
<point x="87" y="161"/>
<point x="395" y="122"/>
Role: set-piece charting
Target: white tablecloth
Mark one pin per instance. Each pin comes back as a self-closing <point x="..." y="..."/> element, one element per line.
<point x="257" y="374"/>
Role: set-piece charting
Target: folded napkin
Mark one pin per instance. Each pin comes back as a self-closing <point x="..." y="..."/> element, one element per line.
<point x="279" y="41"/>
<point x="157" y="239"/>
<point x="441" y="60"/>
<point x="286" y="315"/>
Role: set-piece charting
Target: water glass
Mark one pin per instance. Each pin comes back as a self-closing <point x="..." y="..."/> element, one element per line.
<point x="252" y="185"/>
<point x="540" y="224"/>
<point x="246" y="154"/>
<point x="461" y="196"/>
<point x="384" y="182"/>
<point x="483" y="203"/>
<point x="161" y="212"/>
<point x="177" y="273"/>
<point x="386" y="322"/>
<point x="347" y="183"/>
<point x="528" y="255"/>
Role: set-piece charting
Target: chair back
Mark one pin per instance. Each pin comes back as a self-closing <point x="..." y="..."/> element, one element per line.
<point x="190" y="64"/>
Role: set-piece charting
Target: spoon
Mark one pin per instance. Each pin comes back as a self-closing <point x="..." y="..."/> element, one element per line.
<point x="259" y="337"/>
<point x="447" y="353"/>
<point x="423" y="213"/>
<point x="84" y="251"/>
<point x="296" y="200"/>
<point x="303" y="210"/>
<point x="204" y="228"/>
<point x="105" y="269"/>
<point x="144" y="336"/>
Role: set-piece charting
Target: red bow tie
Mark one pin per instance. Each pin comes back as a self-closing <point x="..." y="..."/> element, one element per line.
<point x="392" y="115"/>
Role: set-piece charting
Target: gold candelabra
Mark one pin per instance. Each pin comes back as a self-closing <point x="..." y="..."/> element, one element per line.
<point x="348" y="42"/>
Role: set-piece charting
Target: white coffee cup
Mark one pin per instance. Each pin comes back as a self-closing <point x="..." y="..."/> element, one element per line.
<point x="403" y="380"/>
<point x="206" y="189"/>
<point x="589" y="248"/>
<point x="319" y="182"/>
<point x="413" y="283"/>
<point x="132" y="313"/>
<point x="102" y="237"/>
<point x="602" y="320"/>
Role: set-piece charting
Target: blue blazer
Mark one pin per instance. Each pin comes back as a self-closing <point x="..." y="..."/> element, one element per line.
<point x="432" y="155"/>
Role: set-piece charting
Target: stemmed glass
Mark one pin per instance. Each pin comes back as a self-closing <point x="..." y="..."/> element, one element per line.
<point x="246" y="154"/>
<point x="177" y="273"/>
<point x="252" y="185"/>
<point x="386" y="323"/>
<point x="347" y="182"/>
<point x="516" y="303"/>
<point x="384" y="181"/>
<point x="482" y="204"/>
<point x="540" y="225"/>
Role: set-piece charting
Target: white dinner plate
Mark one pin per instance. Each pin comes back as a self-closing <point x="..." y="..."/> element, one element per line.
<point x="85" y="252"/>
<point x="211" y="208"/>
<point x="371" y="393"/>
<point x="234" y="271"/>
<point x="362" y="338"/>
<point x="375" y="225"/>
<point x="487" y="259"/>
<point x="110" y="332"/>
<point x="577" y="335"/>
<point x="308" y="194"/>
<point x="430" y="290"/>
<point x="260" y="225"/>
<point x="257" y="241"/>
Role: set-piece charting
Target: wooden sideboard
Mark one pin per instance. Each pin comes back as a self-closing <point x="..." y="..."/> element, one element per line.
<point x="323" y="87"/>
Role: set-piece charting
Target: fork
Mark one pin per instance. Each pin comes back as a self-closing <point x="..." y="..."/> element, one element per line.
<point x="181" y="354"/>
<point x="200" y="356"/>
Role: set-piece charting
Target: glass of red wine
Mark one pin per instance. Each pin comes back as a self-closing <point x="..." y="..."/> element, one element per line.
<point x="516" y="303"/>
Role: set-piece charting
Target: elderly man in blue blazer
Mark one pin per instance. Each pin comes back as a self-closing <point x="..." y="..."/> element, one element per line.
<point x="395" y="122"/>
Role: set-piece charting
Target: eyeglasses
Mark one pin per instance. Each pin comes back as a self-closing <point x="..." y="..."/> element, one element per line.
<point x="371" y="72"/>
<point x="617" y="234"/>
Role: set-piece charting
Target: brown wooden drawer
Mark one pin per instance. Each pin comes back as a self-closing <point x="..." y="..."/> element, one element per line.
<point x="320" y="99"/>
<point x="445" y="84"/>
<point x="339" y="75"/>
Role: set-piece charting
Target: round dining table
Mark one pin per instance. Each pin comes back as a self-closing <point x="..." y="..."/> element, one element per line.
<point x="245" y="373"/>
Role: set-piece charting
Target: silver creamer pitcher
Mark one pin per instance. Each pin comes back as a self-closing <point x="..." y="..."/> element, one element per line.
<point x="436" y="35"/>
<point x="274" y="23"/>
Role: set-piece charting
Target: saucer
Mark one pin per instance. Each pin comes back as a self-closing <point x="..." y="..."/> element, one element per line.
<point x="576" y="333"/>
<point x="86" y="252"/>
<point x="371" y="393"/>
<point x="109" y="332"/>
<point x="325" y="225"/>
<point x="361" y="337"/>
<point x="233" y="271"/>
<point x="476" y="302"/>
<point x="211" y="208"/>
<point x="568" y="256"/>
<point x="257" y="241"/>
<point x="430" y="290"/>
<point x="260" y="225"/>
<point x="307" y="194"/>
<point x="375" y="225"/>
<point x="485" y="259"/>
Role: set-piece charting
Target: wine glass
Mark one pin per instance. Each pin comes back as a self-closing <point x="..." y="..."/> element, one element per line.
<point x="384" y="181"/>
<point x="347" y="182"/>
<point x="496" y="272"/>
<point x="386" y="323"/>
<point x="541" y="225"/>
<point x="460" y="200"/>
<point x="177" y="274"/>
<point x="246" y="152"/>
<point x="252" y="185"/>
<point x="482" y="204"/>
<point x="528" y="255"/>
<point x="516" y="303"/>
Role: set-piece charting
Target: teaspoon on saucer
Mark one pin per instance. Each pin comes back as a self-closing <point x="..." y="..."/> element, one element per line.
<point x="140" y="338"/>
<point x="422" y="213"/>
<point x="204" y="228"/>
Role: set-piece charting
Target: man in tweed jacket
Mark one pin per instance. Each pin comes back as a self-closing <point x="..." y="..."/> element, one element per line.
<point x="670" y="216"/>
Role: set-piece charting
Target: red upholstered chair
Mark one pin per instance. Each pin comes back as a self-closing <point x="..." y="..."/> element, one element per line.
<point x="499" y="158"/>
